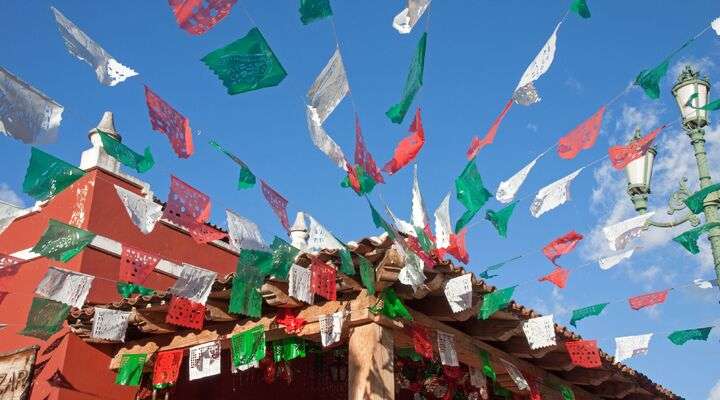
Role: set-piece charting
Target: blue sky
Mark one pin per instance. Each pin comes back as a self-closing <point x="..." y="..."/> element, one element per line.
<point x="477" y="51"/>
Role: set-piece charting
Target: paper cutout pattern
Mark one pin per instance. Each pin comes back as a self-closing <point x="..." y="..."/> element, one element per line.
<point x="186" y="313"/>
<point x="26" y="113"/>
<point x="171" y="123"/>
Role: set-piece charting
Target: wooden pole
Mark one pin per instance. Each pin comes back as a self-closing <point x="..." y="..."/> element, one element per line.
<point x="371" y="373"/>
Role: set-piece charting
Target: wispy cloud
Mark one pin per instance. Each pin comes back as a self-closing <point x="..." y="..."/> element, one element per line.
<point x="574" y="84"/>
<point x="714" y="392"/>
<point x="9" y="196"/>
<point x="532" y="127"/>
<point x="554" y="306"/>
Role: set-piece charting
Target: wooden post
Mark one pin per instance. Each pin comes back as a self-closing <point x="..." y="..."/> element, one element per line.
<point x="371" y="373"/>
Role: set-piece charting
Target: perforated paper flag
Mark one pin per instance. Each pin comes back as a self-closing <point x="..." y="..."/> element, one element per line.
<point x="331" y="328"/>
<point x="412" y="273"/>
<point x="136" y="265"/>
<point x="323" y="141"/>
<point x="716" y="25"/>
<point x="392" y="306"/>
<point x="413" y="82"/>
<point x="552" y="195"/>
<point x="406" y="19"/>
<point x="367" y="274"/>
<point x="110" y="324"/>
<point x="580" y="7"/>
<point x="696" y="201"/>
<point x="689" y="238"/>
<point x="314" y="10"/>
<point x="277" y="203"/>
<point x="409" y="146"/>
<point x="540" y="332"/>
<point x="246" y="64"/>
<point x="300" y="283"/>
<point x="204" y="360"/>
<point x="245" y="297"/>
<point x="64" y="286"/>
<point x="630" y="346"/>
<point x="10" y="265"/>
<point x="186" y="313"/>
<point x="561" y="246"/>
<point x="107" y="69"/>
<point x="458" y="292"/>
<point x="649" y="299"/>
<point x="704" y="284"/>
<point x="47" y="176"/>
<point x="186" y="206"/>
<point x="457" y="247"/>
<point x="649" y="79"/>
<point x="584" y="353"/>
<point x="621" y="156"/>
<point x="540" y="65"/>
<point x="45" y="318"/>
<point x="515" y="375"/>
<point x="26" y="113"/>
<point x="8" y="213"/>
<point x="198" y="16"/>
<point x="477" y="144"/>
<point x="289" y="349"/>
<point x="446" y="348"/>
<point x="194" y="283"/>
<point x="443" y="225"/>
<point x="248" y="347"/>
<point x="244" y="234"/>
<point x="585" y="312"/>
<point x="500" y="218"/>
<point x="421" y="341"/>
<point x="171" y="123"/>
<point x="329" y="89"/>
<point x="19" y="371"/>
<point x="126" y="156"/>
<point x="323" y="279"/>
<point x="558" y="277"/>
<point x="131" y="369"/>
<point x="582" y="137"/>
<point x="167" y="366"/>
<point x="681" y="337"/>
<point x="363" y="157"/>
<point x="494" y="301"/>
<point x="471" y="193"/>
<point x="246" y="179"/>
<point x="143" y="212"/>
<point x="508" y="189"/>
<point x="619" y="235"/>
<point x="615" y="259"/>
<point x="320" y="238"/>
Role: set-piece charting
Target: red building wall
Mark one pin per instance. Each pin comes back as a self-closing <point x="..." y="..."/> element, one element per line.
<point x="92" y="204"/>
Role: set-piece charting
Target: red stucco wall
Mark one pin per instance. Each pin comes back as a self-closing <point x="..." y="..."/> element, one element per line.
<point x="92" y="204"/>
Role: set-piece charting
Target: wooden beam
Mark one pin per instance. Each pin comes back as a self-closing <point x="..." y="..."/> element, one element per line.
<point x="617" y="390"/>
<point x="371" y="374"/>
<point x="518" y="346"/>
<point x="585" y="376"/>
<point x="493" y="330"/>
<point x="555" y="361"/>
<point x="387" y="271"/>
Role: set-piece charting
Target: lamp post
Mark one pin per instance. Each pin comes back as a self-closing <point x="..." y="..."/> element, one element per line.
<point x="691" y="92"/>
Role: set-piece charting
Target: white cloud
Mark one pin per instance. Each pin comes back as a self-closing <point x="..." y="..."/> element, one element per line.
<point x="9" y="196"/>
<point x="675" y="159"/>
<point x="703" y="65"/>
<point x="714" y="392"/>
<point x="532" y="127"/>
<point x="556" y="306"/>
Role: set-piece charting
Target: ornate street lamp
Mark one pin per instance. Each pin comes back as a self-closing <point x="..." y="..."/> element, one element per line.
<point x="691" y="93"/>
